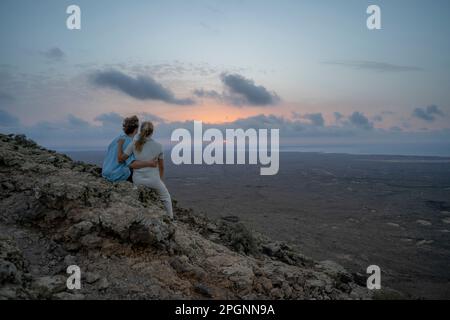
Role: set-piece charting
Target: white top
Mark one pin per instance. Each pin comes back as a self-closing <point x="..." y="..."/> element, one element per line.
<point x="151" y="150"/>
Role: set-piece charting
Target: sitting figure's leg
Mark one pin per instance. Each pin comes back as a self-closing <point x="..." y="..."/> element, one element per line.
<point x="165" y="197"/>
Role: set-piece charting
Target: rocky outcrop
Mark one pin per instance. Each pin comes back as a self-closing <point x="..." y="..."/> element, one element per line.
<point x="56" y="212"/>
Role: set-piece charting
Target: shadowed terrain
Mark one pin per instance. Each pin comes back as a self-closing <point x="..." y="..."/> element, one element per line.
<point x="56" y="213"/>
<point x="392" y="211"/>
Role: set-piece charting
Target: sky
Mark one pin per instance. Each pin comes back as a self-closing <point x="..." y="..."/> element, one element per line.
<point x="310" y="68"/>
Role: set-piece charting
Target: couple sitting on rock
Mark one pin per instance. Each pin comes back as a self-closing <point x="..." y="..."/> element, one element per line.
<point x="137" y="158"/>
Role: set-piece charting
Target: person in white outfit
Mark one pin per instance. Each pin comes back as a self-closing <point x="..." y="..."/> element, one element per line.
<point x="144" y="147"/>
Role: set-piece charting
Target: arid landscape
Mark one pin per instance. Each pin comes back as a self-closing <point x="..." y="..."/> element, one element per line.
<point x="392" y="211"/>
<point x="225" y="150"/>
<point x="58" y="214"/>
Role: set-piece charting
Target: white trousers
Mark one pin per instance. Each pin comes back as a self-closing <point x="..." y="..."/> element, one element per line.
<point x="153" y="181"/>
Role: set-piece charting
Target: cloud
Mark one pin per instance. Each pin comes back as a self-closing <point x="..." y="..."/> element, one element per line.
<point x="150" y="117"/>
<point x="109" y="118"/>
<point x="115" y="119"/>
<point x="141" y="87"/>
<point x="315" y="118"/>
<point x="76" y="122"/>
<point x="240" y="91"/>
<point x="395" y="129"/>
<point x="73" y="133"/>
<point x="428" y="114"/>
<point x="377" y="118"/>
<point x="338" y="116"/>
<point x="8" y="120"/>
<point x="264" y="121"/>
<point x="54" y="54"/>
<point x="211" y="94"/>
<point x="244" y="91"/>
<point x="173" y="70"/>
<point x="372" y="66"/>
<point x="358" y="119"/>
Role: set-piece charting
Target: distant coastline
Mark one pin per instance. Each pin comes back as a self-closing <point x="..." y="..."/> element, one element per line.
<point x="85" y="154"/>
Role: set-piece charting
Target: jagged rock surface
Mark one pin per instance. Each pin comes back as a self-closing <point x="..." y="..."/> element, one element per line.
<point x="56" y="212"/>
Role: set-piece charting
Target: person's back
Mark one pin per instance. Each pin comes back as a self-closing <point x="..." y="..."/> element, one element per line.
<point x="115" y="167"/>
<point x="150" y="150"/>
<point x="112" y="170"/>
<point x="145" y="149"/>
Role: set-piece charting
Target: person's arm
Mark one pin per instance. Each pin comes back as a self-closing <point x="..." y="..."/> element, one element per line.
<point x="161" y="168"/>
<point x="121" y="156"/>
<point x="139" y="164"/>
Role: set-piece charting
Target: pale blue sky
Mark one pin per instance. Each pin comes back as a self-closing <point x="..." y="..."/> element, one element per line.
<point x="316" y="56"/>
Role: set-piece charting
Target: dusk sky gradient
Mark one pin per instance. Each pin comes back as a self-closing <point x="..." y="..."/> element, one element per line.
<point x="311" y="68"/>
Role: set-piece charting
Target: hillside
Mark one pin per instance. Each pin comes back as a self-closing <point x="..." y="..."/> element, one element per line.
<point x="55" y="212"/>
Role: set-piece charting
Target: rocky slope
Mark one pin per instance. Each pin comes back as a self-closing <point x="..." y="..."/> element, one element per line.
<point x="55" y="212"/>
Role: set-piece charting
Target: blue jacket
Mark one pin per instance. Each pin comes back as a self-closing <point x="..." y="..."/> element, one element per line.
<point x="112" y="170"/>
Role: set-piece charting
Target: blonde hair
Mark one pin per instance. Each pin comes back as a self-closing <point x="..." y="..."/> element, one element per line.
<point x="146" y="131"/>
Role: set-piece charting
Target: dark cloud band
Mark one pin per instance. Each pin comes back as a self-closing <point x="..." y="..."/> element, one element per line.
<point x="240" y="91"/>
<point x="429" y="113"/>
<point x="141" y="87"/>
<point x="372" y="66"/>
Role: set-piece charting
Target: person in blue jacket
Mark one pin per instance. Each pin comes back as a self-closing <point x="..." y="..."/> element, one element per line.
<point x="113" y="170"/>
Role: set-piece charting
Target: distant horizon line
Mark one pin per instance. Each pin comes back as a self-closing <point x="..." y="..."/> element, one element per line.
<point x="283" y="150"/>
